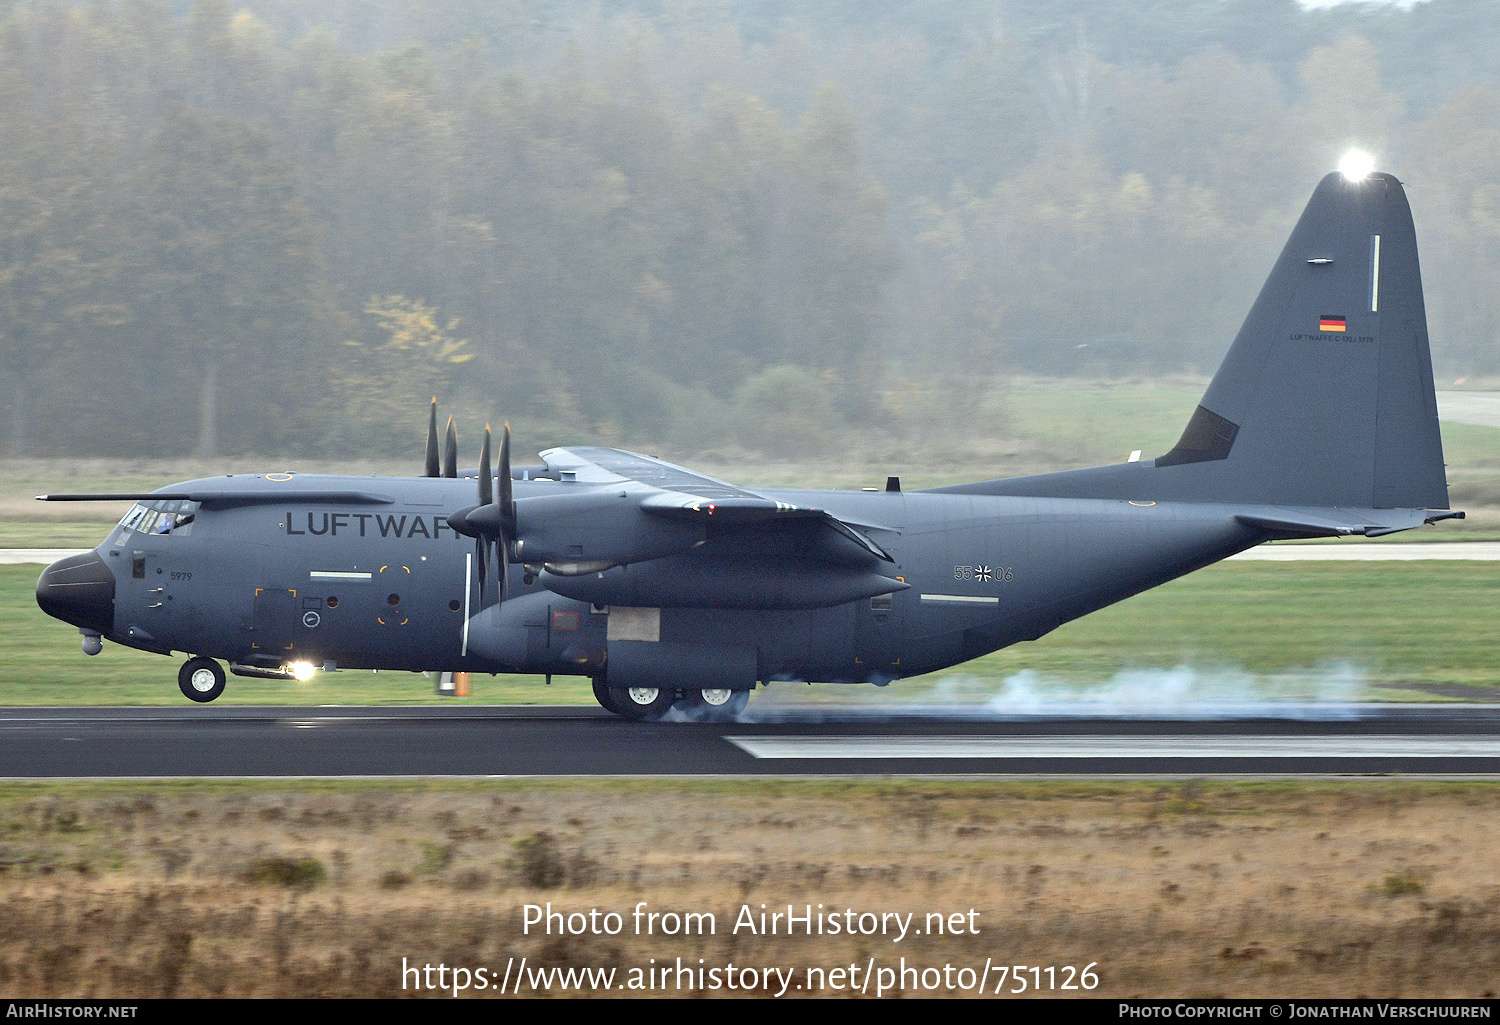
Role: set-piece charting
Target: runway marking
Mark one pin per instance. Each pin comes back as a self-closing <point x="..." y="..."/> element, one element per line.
<point x="1461" y="407"/>
<point x="1371" y="551"/>
<point x="1201" y="746"/>
<point x="37" y="556"/>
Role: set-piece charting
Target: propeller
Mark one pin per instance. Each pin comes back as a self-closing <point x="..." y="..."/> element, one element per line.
<point x="507" y="503"/>
<point x="507" y="490"/>
<point x="489" y="520"/>
<point x="486" y="496"/>
<point x="450" y="451"/>
<point x="486" y="482"/>
<point x="431" y="469"/>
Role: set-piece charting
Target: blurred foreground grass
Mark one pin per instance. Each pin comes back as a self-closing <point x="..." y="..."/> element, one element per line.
<point x="205" y="888"/>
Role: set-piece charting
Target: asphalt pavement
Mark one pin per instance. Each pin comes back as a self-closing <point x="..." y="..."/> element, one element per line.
<point x="1460" y="741"/>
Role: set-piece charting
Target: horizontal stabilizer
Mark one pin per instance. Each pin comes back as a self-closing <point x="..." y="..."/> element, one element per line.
<point x="1298" y="523"/>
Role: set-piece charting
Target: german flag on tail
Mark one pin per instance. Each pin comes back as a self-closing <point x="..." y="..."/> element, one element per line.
<point x="1328" y="322"/>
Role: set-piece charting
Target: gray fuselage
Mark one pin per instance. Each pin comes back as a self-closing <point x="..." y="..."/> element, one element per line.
<point x="393" y="586"/>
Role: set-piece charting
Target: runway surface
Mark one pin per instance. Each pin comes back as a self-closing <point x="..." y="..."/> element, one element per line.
<point x="52" y="743"/>
<point x="1480" y="408"/>
<point x="1359" y="550"/>
<point x="37" y="556"/>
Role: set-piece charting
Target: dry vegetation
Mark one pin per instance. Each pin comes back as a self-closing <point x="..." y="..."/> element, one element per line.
<point x="1381" y="888"/>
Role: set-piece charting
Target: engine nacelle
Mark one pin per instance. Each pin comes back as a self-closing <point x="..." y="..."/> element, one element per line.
<point x="724" y="582"/>
<point x="522" y="635"/>
<point x="597" y="526"/>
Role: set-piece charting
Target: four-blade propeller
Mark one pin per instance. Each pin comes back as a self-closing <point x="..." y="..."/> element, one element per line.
<point x="489" y="520"/>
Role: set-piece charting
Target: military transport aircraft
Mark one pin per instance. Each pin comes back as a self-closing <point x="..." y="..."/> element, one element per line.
<point x="665" y="586"/>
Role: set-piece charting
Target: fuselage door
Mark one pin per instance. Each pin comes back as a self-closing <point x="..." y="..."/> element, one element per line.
<point x="879" y="635"/>
<point x="276" y="620"/>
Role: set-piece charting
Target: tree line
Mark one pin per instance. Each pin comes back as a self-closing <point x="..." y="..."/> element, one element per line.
<point x="280" y="229"/>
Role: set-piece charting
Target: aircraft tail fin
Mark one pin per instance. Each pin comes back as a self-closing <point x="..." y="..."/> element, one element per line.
<point x="1325" y="399"/>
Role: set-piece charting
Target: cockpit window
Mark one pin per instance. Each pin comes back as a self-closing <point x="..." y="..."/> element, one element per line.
<point x="163" y="517"/>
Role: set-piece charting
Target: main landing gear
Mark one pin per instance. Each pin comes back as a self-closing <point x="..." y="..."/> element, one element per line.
<point x="715" y="704"/>
<point x="201" y="679"/>
<point x="602" y="695"/>
<point x="648" y="703"/>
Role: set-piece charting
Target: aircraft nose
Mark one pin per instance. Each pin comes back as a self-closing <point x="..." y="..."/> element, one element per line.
<point x="79" y="590"/>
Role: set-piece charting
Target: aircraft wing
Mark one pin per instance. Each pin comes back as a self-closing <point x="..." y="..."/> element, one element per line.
<point x="610" y="465"/>
<point x="683" y="494"/>
<point x="225" y="498"/>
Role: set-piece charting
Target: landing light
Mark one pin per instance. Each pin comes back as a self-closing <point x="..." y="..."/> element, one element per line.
<point x="302" y="671"/>
<point x="1356" y="165"/>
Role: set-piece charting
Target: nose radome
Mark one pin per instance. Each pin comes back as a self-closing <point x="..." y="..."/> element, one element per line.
<point x="79" y="590"/>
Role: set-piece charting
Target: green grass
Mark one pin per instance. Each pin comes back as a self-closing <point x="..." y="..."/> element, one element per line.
<point x="60" y="534"/>
<point x="1469" y="448"/>
<point x="1091" y="423"/>
<point x="1395" y="629"/>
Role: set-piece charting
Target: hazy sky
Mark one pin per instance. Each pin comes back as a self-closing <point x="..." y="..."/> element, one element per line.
<point x="1330" y="3"/>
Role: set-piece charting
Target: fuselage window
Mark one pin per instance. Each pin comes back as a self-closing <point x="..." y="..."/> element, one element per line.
<point x="161" y="517"/>
<point x="133" y="517"/>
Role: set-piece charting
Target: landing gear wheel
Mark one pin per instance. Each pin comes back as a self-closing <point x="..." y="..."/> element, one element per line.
<point x="714" y="704"/>
<point x="646" y="703"/>
<point x="602" y="695"/>
<point x="201" y="679"/>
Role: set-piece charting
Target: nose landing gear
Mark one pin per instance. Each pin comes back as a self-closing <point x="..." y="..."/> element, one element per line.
<point x="201" y="679"/>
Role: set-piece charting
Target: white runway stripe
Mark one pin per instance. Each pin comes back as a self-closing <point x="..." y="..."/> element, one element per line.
<point x="1358" y="550"/>
<point x="1453" y="746"/>
<point x="1468" y="407"/>
<point x="38" y="556"/>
